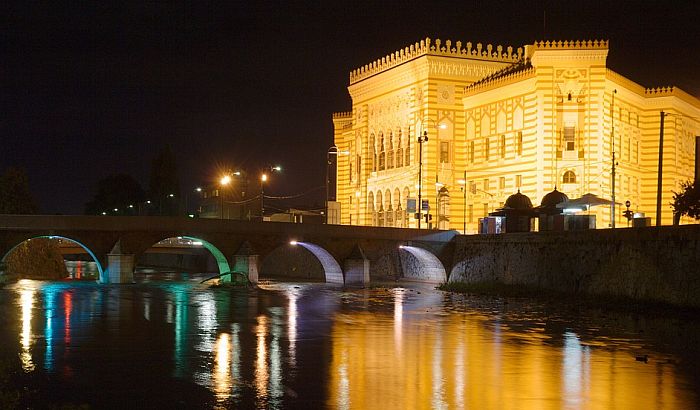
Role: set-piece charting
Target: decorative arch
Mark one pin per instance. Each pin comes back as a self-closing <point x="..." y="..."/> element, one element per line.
<point x="102" y="277"/>
<point x="485" y="125"/>
<point x="382" y="153"/>
<point x="501" y="122"/>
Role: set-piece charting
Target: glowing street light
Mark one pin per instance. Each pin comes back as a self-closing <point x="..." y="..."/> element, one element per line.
<point x="263" y="178"/>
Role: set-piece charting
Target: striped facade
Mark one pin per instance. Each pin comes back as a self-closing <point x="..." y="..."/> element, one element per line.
<point x="499" y="120"/>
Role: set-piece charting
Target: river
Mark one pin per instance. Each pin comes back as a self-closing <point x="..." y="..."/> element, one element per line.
<point x="171" y="342"/>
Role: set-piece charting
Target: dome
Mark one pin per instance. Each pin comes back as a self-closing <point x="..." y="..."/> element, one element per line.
<point x="553" y="198"/>
<point x="518" y="201"/>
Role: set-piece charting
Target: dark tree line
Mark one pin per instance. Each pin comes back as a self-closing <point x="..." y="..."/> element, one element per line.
<point x="15" y="197"/>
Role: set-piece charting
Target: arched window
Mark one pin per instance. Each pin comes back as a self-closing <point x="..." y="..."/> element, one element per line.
<point x="382" y="154"/>
<point x="373" y="148"/>
<point x="399" y="150"/>
<point x="569" y="177"/>
<point x="390" y="151"/>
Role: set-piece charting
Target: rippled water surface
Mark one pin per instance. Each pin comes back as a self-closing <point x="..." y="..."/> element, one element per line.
<point x="178" y="344"/>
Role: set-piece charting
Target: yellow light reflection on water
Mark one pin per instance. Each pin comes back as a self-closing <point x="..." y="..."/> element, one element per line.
<point x="470" y="361"/>
<point x="27" y="291"/>
<point x="262" y="375"/>
<point x="222" y="367"/>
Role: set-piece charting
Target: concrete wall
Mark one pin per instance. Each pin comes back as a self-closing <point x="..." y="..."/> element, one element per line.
<point x="659" y="264"/>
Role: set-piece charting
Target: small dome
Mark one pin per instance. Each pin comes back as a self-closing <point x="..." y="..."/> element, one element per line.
<point x="553" y="198"/>
<point x="518" y="201"/>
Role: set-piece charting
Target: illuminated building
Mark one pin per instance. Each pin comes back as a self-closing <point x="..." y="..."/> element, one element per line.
<point x="499" y="120"/>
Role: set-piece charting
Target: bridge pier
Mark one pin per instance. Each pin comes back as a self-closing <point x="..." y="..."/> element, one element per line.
<point x="245" y="261"/>
<point x="356" y="268"/>
<point x="120" y="268"/>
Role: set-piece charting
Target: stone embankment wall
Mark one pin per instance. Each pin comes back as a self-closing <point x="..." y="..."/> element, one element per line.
<point x="657" y="264"/>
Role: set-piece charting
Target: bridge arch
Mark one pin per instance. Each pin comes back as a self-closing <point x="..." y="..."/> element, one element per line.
<point x="100" y="269"/>
<point x="323" y="261"/>
<point x="420" y="264"/>
<point x="219" y="257"/>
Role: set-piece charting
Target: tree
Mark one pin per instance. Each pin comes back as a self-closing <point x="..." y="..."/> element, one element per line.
<point x="164" y="186"/>
<point x="686" y="202"/>
<point x="15" y="197"/>
<point x="119" y="191"/>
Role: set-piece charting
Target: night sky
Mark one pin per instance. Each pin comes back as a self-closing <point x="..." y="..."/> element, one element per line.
<point x="90" y="89"/>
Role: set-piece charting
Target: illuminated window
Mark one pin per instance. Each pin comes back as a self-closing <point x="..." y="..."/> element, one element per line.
<point x="486" y="149"/>
<point x="471" y="152"/>
<point x="486" y="185"/>
<point x="569" y="177"/>
<point x="486" y="209"/>
<point x="518" y="181"/>
<point x="569" y="140"/>
<point x="502" y="183"/>
<point x="503" y="146"/>
<point x="471" y="213"/>
<point x="519" y="143"/>
<point x="444" y="152"/>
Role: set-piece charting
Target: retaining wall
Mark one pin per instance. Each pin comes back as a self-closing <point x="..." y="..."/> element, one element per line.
<point x="656" y="263"/>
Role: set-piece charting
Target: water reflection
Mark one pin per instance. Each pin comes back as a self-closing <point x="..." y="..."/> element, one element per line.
<point x="309" y="346"/>
<point x="27" y="292"/>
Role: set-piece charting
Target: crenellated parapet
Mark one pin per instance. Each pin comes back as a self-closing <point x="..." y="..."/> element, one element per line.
<point x="572" y="44"/>
<point x="438" y="48"/>
<point x="659" y="91"/>
<point x="342" y="115"/>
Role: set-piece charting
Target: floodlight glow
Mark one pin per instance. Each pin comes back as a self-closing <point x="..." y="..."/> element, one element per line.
<point x="293" y="243"/>
<point x="263" y="178"/>
<point x="171" y="195"/>
<point x="198" y="189"/>
<point x="277" y="168"/>
<point x="225" y="180"/>
<point x="116" y="210"/>
<point x="442" y="126"/>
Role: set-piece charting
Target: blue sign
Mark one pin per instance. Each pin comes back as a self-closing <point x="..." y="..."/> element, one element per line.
<point x="426" y="205"/>
<point x="411" y="205"/>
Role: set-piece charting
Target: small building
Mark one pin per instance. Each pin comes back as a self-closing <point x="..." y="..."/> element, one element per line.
<point x="551" y="218"/>
<point x="517" y="212"/>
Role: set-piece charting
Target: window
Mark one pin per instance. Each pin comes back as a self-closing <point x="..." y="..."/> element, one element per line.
<point x="503" y="146"/>
<point x="408" y="155"/>
<point x="470" y="213"/>
<point x="569" y="177"/>
<point x="486" y="149"/>
<point x="486" y="209"/>
<point x="382" y="155"/>
<point x="486" y="185"/>
<point x="444" y="152"/>
<point x="519" y="143"/>
<point x="518" y="181"/>
<point x="502" y="183"/>
<point x="471" y="152"/>
<point x="569" y="140"/>
<point x="472" y="187"/>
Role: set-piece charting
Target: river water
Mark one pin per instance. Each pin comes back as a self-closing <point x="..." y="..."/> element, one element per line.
<point x="172" y="342"/>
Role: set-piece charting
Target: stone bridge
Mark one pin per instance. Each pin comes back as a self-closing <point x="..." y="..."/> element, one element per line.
<point x="342" y="254"/>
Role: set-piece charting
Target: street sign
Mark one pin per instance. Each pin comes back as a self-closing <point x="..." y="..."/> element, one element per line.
<point x="411" y="205"/>
<point x="426" y="205"/>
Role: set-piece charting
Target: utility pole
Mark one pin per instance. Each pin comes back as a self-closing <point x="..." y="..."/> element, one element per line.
<point x="421" y="139"/>
<point x="659" y="183"/>
<point x="612" y="140"/>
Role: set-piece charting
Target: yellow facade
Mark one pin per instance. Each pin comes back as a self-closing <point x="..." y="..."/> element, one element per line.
<point x="502" y="119"/>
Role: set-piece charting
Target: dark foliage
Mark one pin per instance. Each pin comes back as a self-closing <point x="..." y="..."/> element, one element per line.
<point x="686" y="202"/>
<point x="121" y="192"/>
<point x="15" y="197"/>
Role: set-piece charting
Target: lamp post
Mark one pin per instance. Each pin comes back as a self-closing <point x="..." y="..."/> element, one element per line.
<point x="263" y="179"/>
<point x="333" y="150"/>
<point x="463" y="182"/>
<point x="421" y="139"/>
<point x="223" y="182"/>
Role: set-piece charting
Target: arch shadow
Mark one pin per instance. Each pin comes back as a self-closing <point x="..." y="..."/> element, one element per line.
<point x="422" y="265"/>
<point x="332" y="273"/>
<point x="88" y="250"/>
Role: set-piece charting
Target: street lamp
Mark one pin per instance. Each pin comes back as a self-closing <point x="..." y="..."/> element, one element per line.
<point x="423" y="137"/>
<point x="223" y="182"/>
<point x="333" y="150"/>
<point x="263" y="179"/>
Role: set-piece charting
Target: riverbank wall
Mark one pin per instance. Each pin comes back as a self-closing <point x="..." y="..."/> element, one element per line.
<point x="659" y="264"/>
